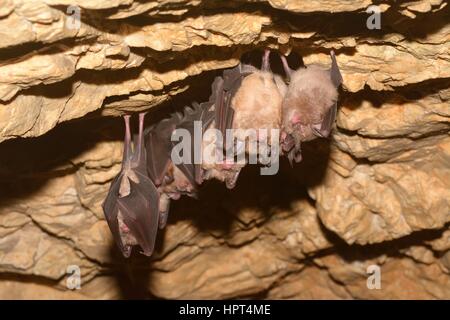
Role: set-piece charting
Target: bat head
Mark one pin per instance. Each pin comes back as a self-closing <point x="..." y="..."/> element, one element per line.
<point x="309" y="106"/>
<point x="309" y="100"/>
<point x="178" y="184"/>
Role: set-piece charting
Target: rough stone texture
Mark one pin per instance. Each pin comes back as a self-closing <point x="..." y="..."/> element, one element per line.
<point x="377" y="193"/>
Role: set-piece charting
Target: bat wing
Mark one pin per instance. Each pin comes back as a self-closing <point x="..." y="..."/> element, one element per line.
<point x="206" y="118"/>
<point x="335" y="73"/>
<point x="327" y="123"/>
<point x="111" y="211"/>
<point x="158" y="147"/>
<point x="202" y="113"/>
<point x="217" y="98"/>
<point x="140" y="212"/>
<point x="330" y="117"/>
<point x="224" y="90"/>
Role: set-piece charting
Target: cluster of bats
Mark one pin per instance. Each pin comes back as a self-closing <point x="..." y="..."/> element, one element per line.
<point x="302" y="106"/>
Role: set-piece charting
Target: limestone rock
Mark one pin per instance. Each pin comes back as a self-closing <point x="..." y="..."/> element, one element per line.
<point x="376" y="195"/>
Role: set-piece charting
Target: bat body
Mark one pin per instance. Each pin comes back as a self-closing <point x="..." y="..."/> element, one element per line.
<point x="244" y="99"/>
<point x="309" y="105"/>
<point x="257" y="104"/>
<point x="174" y="180"/>
<point x="216" y="165"/>
<point x="132" y="204"/>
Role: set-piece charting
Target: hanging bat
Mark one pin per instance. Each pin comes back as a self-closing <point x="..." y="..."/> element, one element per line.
<point x="309" y="105"/>
<point x="159" y="167"/>
<point x="131" y="206"/>
<point x="174" y="180"/>
<point x="215" y="164"/>
<point x="204" y="116"/>
<point x="244" y="98"/>
<point x="257" y="102"/>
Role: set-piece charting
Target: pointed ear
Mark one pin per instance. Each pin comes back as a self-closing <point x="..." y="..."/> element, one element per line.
<point x="335" y="73"/>
<point x="327" y="123"/>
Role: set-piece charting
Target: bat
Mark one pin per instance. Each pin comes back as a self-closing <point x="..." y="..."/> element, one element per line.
<point x="244" y="98"/>
<point x="309" y="105"/>
<point x="132" y="204"/>
<point x="257" y="102"/>
<point x="158" y="146"/>
<point x="174" y="180"/>
<point x="223" y="90"/>
<point x="202" y="114"/>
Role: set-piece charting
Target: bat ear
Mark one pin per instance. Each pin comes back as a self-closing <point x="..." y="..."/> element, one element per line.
<point x="327" y="123"/>
<point x="335" y="73"/>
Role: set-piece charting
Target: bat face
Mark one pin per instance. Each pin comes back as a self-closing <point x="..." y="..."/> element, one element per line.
<point x="226" y="171"/>
<point x="178" y="184"/>
<point x="309" y="105"/>
<point x="132" y="205"/>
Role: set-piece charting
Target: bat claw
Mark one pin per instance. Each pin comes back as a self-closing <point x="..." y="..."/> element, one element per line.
<point x="317" y="132"/>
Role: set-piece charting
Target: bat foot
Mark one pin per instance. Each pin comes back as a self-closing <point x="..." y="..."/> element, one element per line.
<point x="265" y="61"/>
<point x="286" y="67"/>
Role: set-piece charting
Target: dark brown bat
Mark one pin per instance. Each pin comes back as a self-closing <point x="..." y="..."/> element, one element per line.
<point x="174" y="180"/>
<point x="158" y="147"/>
<point x="159" y="165"/>
<point x="309" y="105"/>
<point x="202" y="114"/>
<point x="132" y="204"/>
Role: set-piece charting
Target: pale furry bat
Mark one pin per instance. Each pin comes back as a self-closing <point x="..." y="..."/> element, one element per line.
<point x="258" y="101"/>
<point x="309" y="105"/>
<point x="244" y="99"/>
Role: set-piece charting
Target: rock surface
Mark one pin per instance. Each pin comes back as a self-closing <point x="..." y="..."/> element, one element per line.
<point x="377" y="194"/>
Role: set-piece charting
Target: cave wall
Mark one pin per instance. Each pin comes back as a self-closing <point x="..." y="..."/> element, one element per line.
<point x="377" y="193"/>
